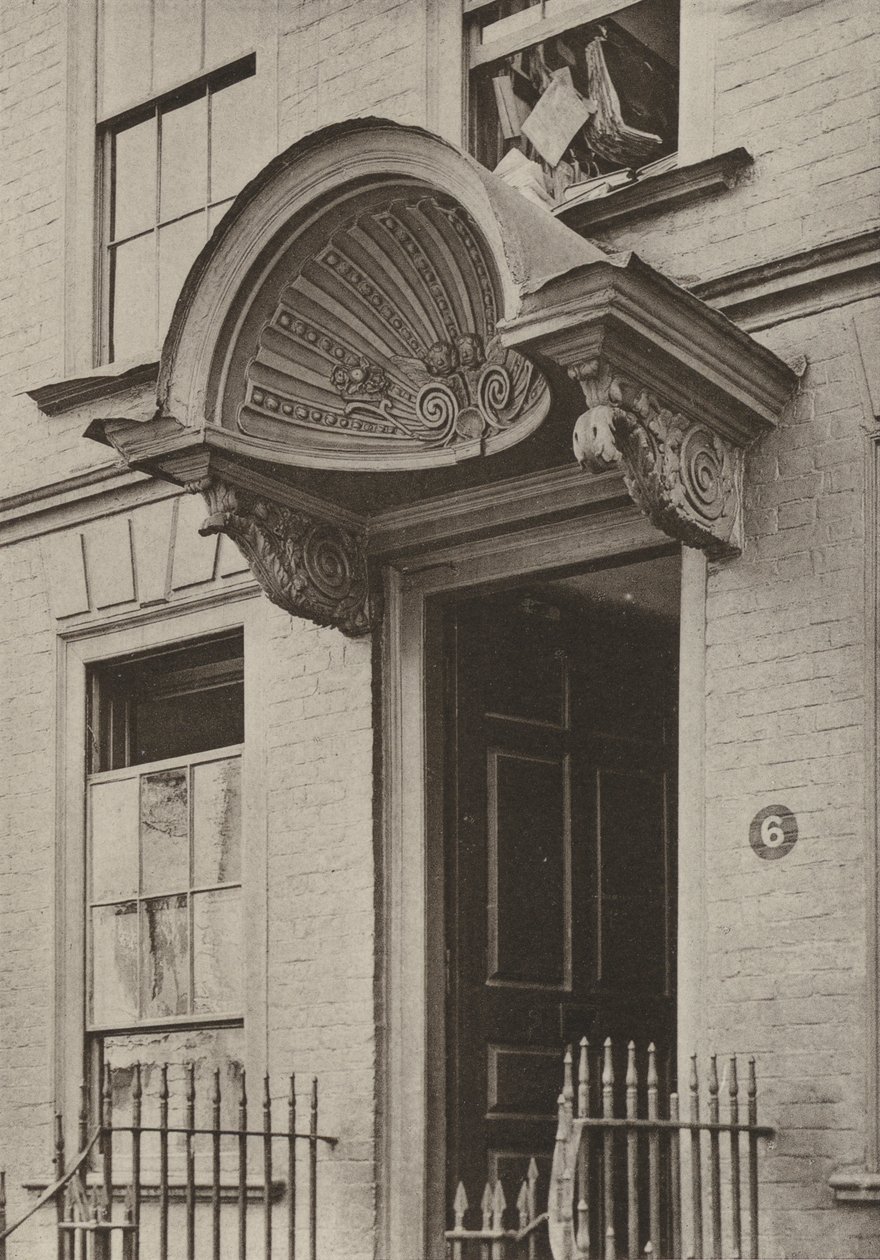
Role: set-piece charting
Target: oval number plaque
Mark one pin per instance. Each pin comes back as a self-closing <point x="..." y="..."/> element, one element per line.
<point x="773" y="832"/>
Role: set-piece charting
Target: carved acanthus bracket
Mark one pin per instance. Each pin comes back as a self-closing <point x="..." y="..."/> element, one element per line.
<point x="683" y="475"/>
<point x="306" y="566"/>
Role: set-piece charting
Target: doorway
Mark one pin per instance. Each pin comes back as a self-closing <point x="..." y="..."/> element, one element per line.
<point x="560" y="790"/>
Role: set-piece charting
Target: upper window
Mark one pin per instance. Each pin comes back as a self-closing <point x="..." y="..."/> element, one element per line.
<point x="164" y="829"/>
<point x="177" y="140"/>
<point x="572" y="98"/>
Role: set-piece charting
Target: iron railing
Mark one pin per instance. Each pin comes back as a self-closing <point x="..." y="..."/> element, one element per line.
<point x="631" y="1184"/>
<point x="133" y="1193"/>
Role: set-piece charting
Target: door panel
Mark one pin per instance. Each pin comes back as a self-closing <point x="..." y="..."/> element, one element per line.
<point x="528" y="908"/>
<point x="561" y="749"/>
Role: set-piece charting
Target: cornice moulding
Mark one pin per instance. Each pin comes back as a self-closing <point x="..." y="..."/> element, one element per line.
<point x="653" y="329"/>
<point x="90" y="387"/>
<point x="657" y="194"/>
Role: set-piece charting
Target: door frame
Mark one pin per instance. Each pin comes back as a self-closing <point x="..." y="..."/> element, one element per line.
<point x="411" y="1104"/>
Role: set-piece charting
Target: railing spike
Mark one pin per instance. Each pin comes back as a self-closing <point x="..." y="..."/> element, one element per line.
<point x="137" y="1088"/>
<point x="486" y="1207"/>
<point x="460" y="1205"/>
<point x="714" y="1157"/>
<point x="652" y="1066"/>
<point x="532" y="1181"/>
<point x="607" y="1065"/>
<point x="562" y="1119"/>
<point x="522" y="1204"/>
<point x="163" y="1083"/>
<point x="694" y="1083"/>
<point x="567" y="1082"/>
<point x="499" y="1203"/>
<point x="632" y="1078"/>
<point x="584" y="1078"/>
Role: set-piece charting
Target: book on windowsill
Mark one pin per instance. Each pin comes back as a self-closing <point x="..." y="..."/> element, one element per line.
<point x="598" y="186"/>
<point x="667" y="163"/>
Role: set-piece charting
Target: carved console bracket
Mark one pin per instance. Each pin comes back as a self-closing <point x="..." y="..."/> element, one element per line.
<point x="306" y="566"/>
<point x="685" y="477"/>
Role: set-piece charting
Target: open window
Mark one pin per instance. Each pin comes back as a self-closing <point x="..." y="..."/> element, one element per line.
<point x="569" y="100"/>
<point x="164" y="860"/>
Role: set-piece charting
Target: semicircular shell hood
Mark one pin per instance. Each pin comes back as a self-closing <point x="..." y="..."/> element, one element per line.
<point x="372" y="344"/>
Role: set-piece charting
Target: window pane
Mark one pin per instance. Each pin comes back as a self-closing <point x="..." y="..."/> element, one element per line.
<point x="184" y="158"/>
<point x="164" y="831"/>
<point x="217" y="822"/>
<point x="125" y="48"/>
<point x="177" y="54"/>
<point x="164" y="957"/>
<point x="134" y="178"/>
<point x="114" y="964"/>
<point x="133" y="300"/>
<point x="114" y="813"/>
<point x="188" y="722"/>
<point x="205" y="1048"/>
<point x="217" y="950"/>
<point x="178" y="245"/>
<point x="238" y="150"/>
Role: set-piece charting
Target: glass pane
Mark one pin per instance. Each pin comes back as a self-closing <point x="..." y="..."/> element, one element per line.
<point x="217" y="822"/>
<point x="238" y="149"/>
<point x="206" y="1048"/>
<point x="125" y="53"/>
<point x="164" y="831"/>
<point x="114" y="856"/>
<point x="177" y="52"/>
<point x="133" y="298"/>
<point x="114" y="964"/>
<point x="178" y="245"/>
<point x="184" y="159"/>
<point x="164" y="957"/>
<point x="134" y="179"/>
<point x="188" y="722"/>
<point x="217" y="960"/>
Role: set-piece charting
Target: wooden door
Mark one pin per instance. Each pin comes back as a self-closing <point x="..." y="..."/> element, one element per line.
<point x="561" y="747"/>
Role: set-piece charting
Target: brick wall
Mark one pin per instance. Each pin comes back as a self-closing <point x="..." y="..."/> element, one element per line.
<point x="350" y="58"/>
<point x="27" y="873"/>
<point x="319" y="747"/>
<point x="796" y="86"/>
<point x="785" y="961"/>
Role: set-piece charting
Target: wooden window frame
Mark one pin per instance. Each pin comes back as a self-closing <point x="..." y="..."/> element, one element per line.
<point x="84" y="310"/>
<point x="79" y="651"/>
<point x="204" y="86"/>
<point x="697" y="52"/>
<point x="192" y="1018"/>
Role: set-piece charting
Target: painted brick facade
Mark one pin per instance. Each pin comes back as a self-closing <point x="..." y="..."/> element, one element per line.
<point x="786" y="959"/>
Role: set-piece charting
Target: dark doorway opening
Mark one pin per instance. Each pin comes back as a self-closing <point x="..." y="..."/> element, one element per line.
<point x="560" y="856"/>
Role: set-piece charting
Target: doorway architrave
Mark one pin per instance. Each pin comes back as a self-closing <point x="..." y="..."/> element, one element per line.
<point x="411" y="965"/>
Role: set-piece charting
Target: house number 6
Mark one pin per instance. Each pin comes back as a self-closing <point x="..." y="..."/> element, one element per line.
<point x="773" y="832"/>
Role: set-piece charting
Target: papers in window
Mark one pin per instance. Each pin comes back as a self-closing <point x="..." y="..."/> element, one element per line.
<point x="557" y="118"/>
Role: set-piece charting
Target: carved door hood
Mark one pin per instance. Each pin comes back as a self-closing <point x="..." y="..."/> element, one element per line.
<point x="377" y="312"/>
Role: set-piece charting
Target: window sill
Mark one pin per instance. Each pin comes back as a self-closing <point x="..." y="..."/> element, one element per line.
<point x="657" y="193"/>
<point x="855" y="1187"/>
<point x="100" y="382"/>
